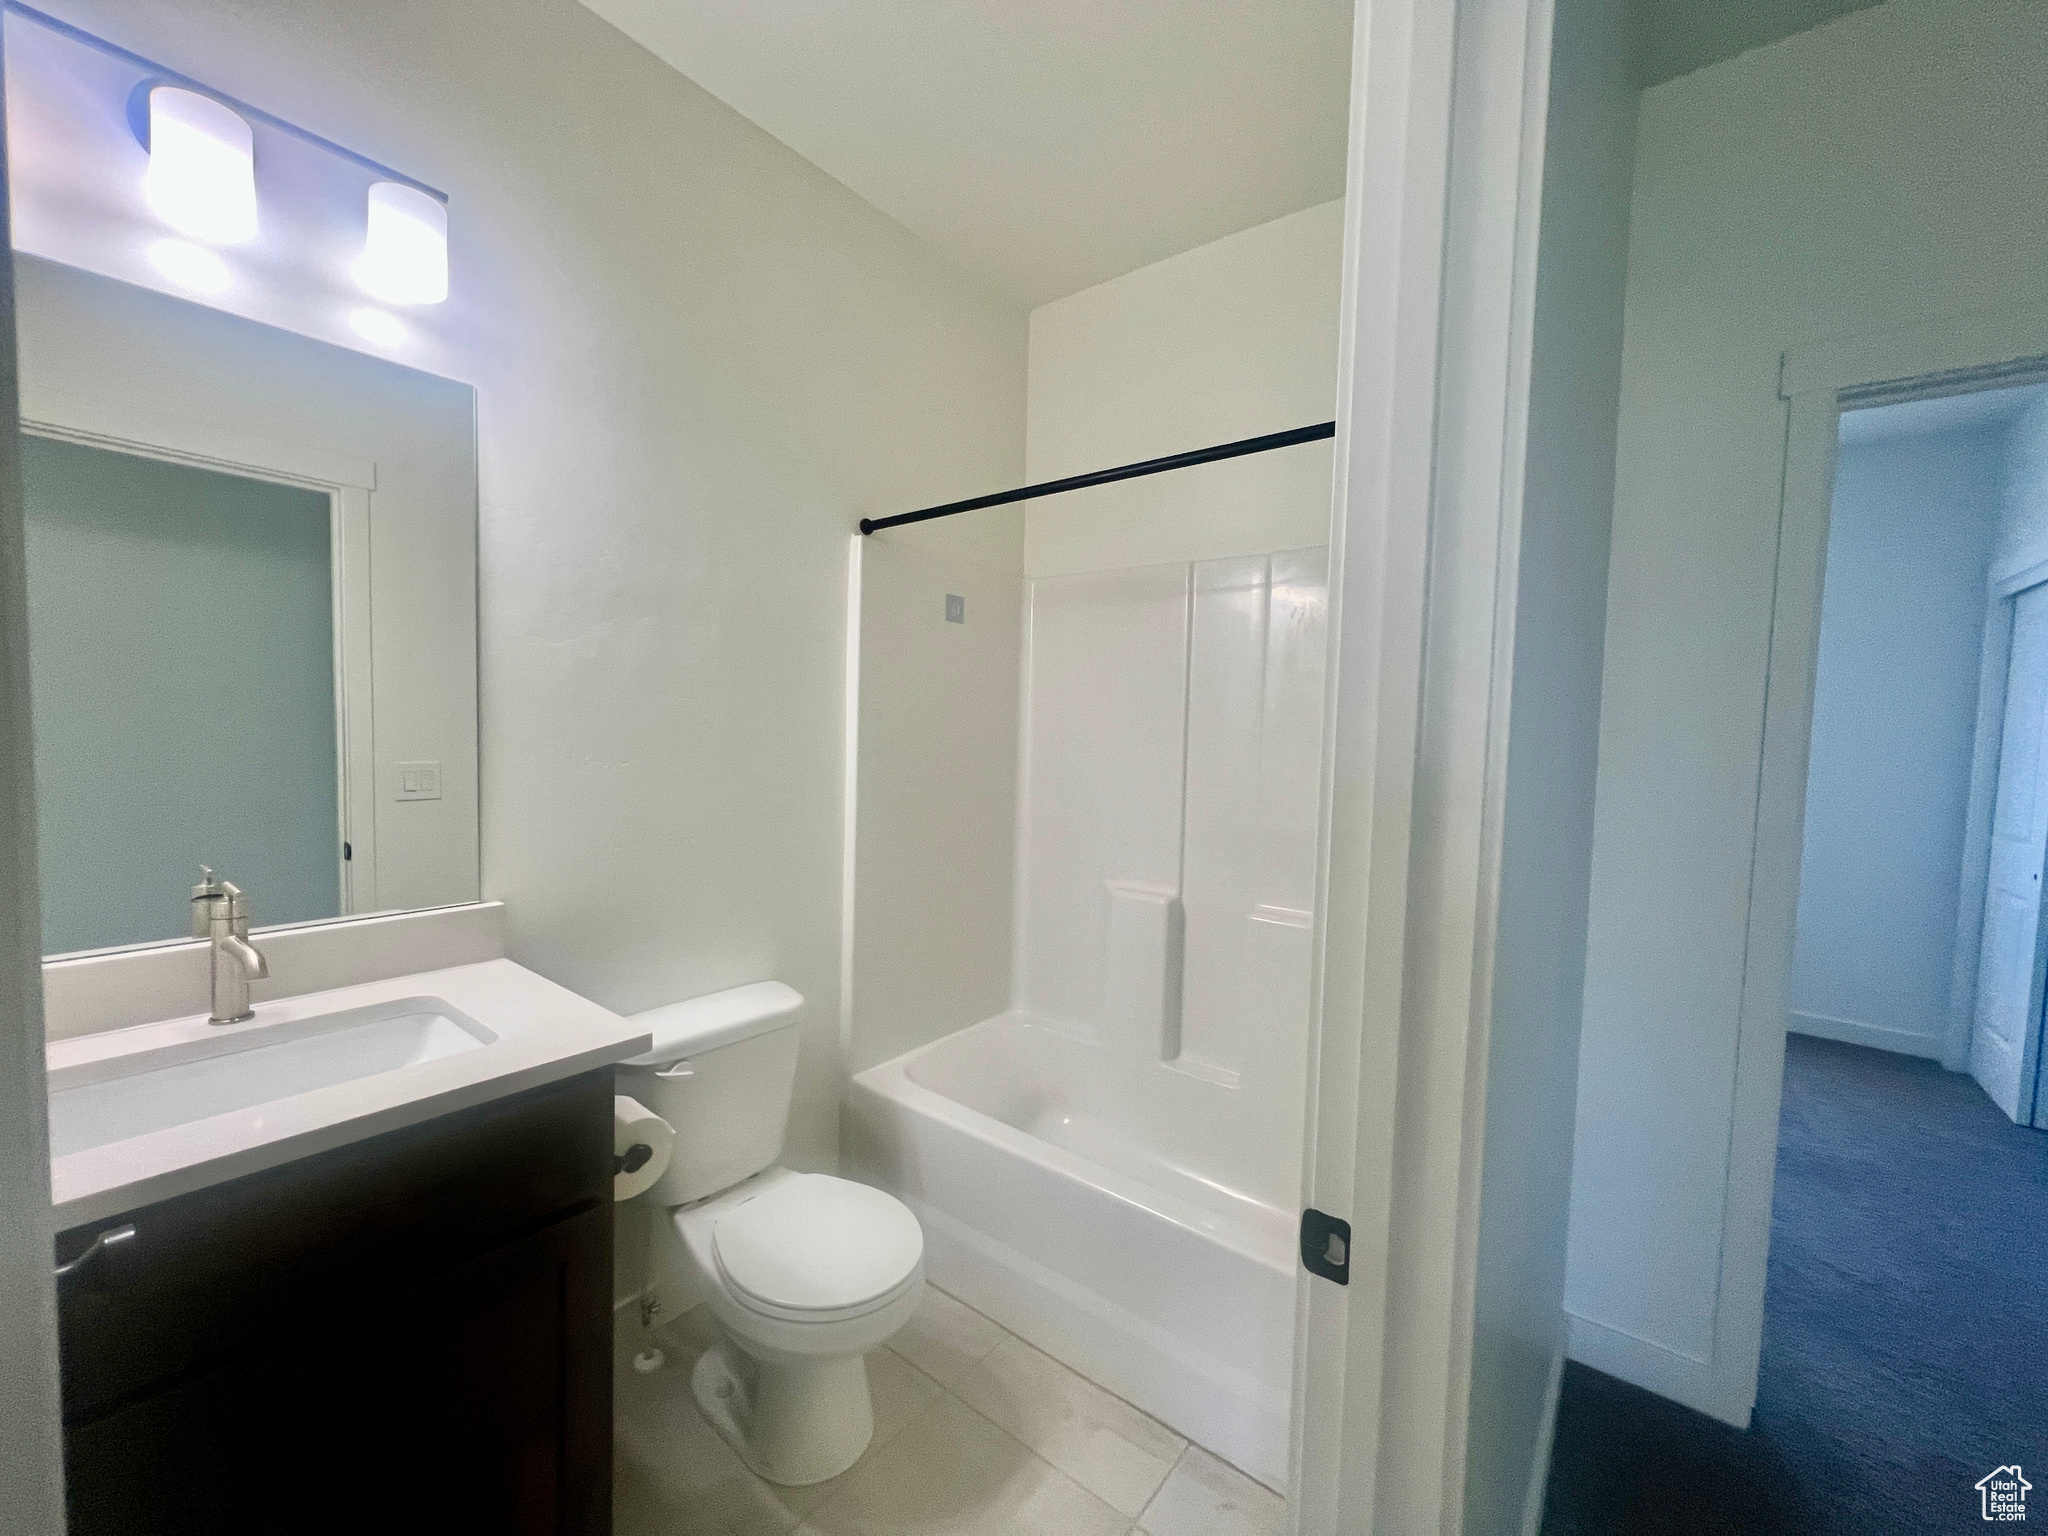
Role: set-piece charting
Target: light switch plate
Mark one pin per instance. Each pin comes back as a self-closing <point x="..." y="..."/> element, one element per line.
<point x="419" y="781"/>
<point x="956" y="608"/>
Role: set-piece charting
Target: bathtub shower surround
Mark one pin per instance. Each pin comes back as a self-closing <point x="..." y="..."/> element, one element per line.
<point x="1111" y="1167"/>
<point x="1172" y="734"/>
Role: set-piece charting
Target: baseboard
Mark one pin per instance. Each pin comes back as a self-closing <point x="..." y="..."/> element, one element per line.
<point x="1539" y="1462"/>
<point x="1854" y="1032"/>
<point x="1657" y="1368"/>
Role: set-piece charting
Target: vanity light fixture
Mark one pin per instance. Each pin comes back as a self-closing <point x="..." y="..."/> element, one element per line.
<point x="201" y="182"/>
<point x="202" y="167"/>
<point x="405" y="252"/>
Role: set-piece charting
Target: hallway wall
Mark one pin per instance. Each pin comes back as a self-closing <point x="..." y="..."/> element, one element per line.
<point x="1894" y="728"/>
<point x="1882" y="171"/>
<point x="1532" y="1047"/>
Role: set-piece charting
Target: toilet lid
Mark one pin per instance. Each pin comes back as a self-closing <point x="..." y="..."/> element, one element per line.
<point x="818" y="1244"/>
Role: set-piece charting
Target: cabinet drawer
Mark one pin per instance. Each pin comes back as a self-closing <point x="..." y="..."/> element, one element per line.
<point x="222" y="1269"/>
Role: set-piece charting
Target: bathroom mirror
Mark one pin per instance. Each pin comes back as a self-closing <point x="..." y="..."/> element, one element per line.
<point x="252" y="616"/>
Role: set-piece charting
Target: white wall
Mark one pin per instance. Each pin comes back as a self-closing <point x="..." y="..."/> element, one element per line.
<point x="936" y="792"/>
<point x="1884" y="170"/>
<point x="1553" y="733"/>
<point x="1894" y="726"/>
<point x="699" y="360"/>
<point x="1232" y="339"/>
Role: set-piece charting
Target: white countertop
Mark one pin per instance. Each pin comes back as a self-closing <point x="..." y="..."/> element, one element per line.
<point x="544" y="1033"/>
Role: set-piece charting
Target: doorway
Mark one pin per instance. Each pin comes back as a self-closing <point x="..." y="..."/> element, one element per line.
<point x="1900" y="1332"/>
<point x="1902" y="1325"/>
<point x="1918" y="926"/>
<point x="2002" y="1025"/>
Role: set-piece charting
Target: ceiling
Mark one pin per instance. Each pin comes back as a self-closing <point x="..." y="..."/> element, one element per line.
<point x="1984" y="408"/>
<point x="1676" y="37"/>
<point x="1044" y="145"/>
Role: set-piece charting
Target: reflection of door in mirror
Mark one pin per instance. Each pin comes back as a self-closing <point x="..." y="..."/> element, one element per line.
<point x="183" y="627"/>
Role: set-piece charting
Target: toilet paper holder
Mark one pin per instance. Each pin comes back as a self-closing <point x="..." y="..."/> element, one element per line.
<point x="632" y="1160"/>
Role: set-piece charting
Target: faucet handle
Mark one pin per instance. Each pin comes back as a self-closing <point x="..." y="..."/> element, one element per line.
<point x="204" y="893"/>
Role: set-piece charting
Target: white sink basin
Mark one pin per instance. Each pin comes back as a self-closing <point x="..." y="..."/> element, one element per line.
<point x="97" y="1103"/>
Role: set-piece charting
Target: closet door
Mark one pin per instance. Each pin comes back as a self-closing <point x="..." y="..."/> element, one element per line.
<point x="2005" y="1043"/>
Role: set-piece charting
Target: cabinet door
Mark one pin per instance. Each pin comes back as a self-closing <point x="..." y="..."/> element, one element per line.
<point x="478" y="1400"/>
<point x="222" y="1271"/>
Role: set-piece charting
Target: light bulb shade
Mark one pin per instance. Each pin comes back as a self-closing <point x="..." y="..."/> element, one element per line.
<point x="405" y="254"/>
<point x="202" y="167"/>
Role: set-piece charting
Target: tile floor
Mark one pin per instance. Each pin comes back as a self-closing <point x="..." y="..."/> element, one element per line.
<point x="976" y="1434"/>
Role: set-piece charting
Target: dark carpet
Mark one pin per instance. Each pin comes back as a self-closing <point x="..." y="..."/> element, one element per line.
<point x="1905" y="1329"/>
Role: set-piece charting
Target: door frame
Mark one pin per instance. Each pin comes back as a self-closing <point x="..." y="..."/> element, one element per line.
<point x="1449" y="105"/>
<point x="32" y="1470"/>
<point x="348" y="482"/>
<point x="1960" y="355"/>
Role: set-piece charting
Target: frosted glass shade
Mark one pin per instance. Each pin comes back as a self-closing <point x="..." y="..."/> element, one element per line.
<point x="405" y="253"/>
<point x="202" y="167"/>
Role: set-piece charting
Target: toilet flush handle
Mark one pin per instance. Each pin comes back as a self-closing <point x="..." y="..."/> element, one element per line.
<point x="680" y="1069"/>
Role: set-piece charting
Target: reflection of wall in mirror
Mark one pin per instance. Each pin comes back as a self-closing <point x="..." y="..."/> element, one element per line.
<point x="387" y="455"/>
<point x="182" y="650"/>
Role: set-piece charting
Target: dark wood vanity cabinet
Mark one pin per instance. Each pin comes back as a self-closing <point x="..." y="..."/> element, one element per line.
<point x="411" y="1332"/>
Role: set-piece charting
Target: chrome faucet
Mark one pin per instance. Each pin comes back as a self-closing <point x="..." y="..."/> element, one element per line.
<point x="220" y="912"/>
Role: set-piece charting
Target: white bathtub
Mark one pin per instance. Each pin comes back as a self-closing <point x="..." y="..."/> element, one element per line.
<point x="1075" y="1199"/>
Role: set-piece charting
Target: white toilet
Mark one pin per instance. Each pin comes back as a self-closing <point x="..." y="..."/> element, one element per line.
<point x="804" y="1274"/>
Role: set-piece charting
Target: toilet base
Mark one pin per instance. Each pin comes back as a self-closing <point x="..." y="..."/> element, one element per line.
<point x="794" y="1420"/>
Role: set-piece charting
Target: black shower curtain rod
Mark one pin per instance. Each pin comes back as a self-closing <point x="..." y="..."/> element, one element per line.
<point x="1193" y="456"/>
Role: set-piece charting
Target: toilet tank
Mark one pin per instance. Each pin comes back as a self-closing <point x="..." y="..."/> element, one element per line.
<point x="720" y="1070"/>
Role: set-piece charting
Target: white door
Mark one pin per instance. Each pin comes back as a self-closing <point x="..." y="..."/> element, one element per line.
<point x="2006" y="1041"/>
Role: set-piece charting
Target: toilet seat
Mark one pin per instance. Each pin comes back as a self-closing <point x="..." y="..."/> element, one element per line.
<point x="811" y="1248"/>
